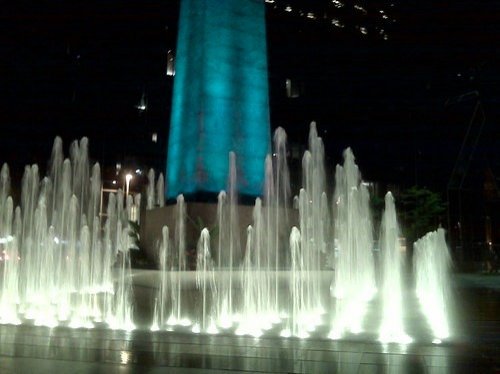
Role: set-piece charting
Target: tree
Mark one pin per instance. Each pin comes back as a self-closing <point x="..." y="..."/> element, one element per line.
<point x="421" y="211"/>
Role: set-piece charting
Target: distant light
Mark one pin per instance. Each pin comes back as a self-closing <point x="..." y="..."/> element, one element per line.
<point x="142" y="103"/>
<point x="288" y="9"/>
<point x="360" y="8"/>
<point x="459" y="75"/>
<point x="337" y="23"/>
<point x="270" y="1"/>
<point x="128" y="178"/>
<point x="311" y="15"/>
<point x="138" y="171"/>
<point x="337" y="3"/>
<point x="385" y="16"/>
<point x="124" y="357"/>
<point x="154" y="137"/>
<point x="56" y="240"/>
<point x="114" y="182"/>
<point x="118" y="166"/>
<point x="381" y="11"/>
<point x="170" y="63"/>
<point x="363" y="30"/>
<point x="386" y="37"/>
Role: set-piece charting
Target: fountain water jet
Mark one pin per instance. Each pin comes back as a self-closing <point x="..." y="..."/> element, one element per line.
<point x="432" y="263"/>
<point x="391" y="329"/>
<point x="277" y="285"/>
<point x="57" y="264"/>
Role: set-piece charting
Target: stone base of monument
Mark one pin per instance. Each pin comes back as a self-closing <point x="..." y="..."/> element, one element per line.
<point x="199" y="215"/>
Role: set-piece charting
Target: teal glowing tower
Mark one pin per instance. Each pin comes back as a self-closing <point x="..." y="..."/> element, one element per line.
<point x="220" y="97"/>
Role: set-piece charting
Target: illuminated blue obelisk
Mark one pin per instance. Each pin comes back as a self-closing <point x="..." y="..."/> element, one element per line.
<point x="220" y="97"/>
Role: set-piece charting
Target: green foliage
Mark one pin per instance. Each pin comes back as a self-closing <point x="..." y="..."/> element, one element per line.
<point x="138" y="258"/>
<point x="421" y="210"/>
<point x="134" y="235"/>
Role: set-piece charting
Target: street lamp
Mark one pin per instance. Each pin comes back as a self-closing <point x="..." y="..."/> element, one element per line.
<point x="128" y="178"/>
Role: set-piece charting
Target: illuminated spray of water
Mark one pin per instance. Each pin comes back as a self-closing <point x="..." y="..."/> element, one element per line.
<point x="205" y="282"/>
<point x="392" y="328"/>
<point x="432" y="263"/>
<point x="354" y="283"/>
<point x="160" y="307"/>
<point x="57" y="263"/>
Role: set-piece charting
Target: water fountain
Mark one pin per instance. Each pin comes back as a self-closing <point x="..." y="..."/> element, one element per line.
<point x="432" y="263"/>
<point x="58" y="265"/>
<point x="276" y="283"/>
<point x="392" y="328"/>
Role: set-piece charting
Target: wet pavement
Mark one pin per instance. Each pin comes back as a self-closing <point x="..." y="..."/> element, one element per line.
<point x="30" y="349"/>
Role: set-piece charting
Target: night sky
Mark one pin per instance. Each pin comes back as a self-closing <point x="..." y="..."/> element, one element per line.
<point x="75" y="68"/>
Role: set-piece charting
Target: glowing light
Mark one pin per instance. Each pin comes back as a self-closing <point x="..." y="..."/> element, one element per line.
<point x="124" y="357"/>
<point x="436" y="341"/>
<point x="337" y="3"/>
<point x="432" y="263"/>
<point x="155" y="327"/>
<point x="337" y="23"/>
<point x="128" y="178"/>
<point x="286" y="333"/>
<point x="311" y="15"/>
<point x="288" y="9"/>
<point x="212" y="329"/>
<point x="142" y="103"/>
<point x="196" y="329"/>
<point x="170" y="63"/>
<point x="360" y="8"/>
<point x="233" y="112"/>
<point x="335" y="335"/>
<point x="7" y="239"/>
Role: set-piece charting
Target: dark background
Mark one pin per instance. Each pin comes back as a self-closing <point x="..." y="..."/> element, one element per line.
<point x="79" y="68"/>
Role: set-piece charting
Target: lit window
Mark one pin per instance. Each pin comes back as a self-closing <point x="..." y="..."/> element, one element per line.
<point x="170" y="63"/>
<point x="154" y="137"/>
<point x="337" y="3"/>
<point x="142" y="106"/>
<point x="292" y="89"/>
<point x="360" y="8"/>
<point x="337" y="23"/>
